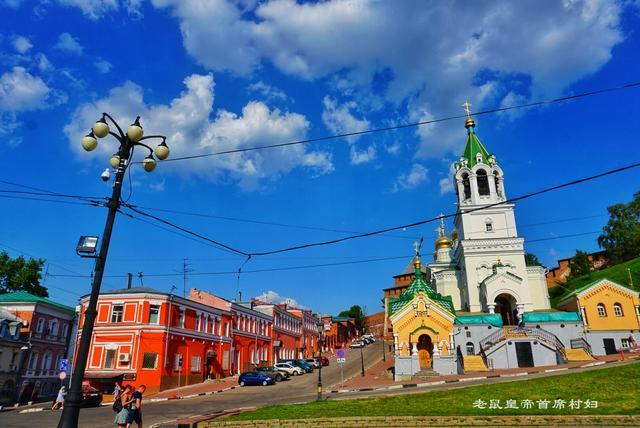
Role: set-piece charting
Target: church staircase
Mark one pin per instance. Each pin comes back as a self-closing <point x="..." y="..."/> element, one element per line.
<point x="474" y="363"/>
<point x="578" y="354"/>
<point x="517" y="332"/>
<point x="425" y="374"/>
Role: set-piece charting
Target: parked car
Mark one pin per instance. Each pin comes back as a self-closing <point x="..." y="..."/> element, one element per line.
<point x="289" y="369"/>
<point x="308" y="368"/>
<point x="357" y="345"/>
<point x="273" y="372"/>
<point x="255" y="378"/>
<point x="324" y="361"/>
<point x="91" y="396"/>
<point x="315" y="362"/>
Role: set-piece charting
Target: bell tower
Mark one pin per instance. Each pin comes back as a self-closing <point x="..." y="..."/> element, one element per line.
<point x="489" y="252"/>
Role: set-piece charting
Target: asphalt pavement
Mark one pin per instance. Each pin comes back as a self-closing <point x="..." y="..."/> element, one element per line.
<point x="296" y="390"/>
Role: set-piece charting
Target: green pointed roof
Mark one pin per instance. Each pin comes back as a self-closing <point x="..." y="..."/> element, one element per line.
<point x="474" y="146"/>
<point x="420" y="285"/>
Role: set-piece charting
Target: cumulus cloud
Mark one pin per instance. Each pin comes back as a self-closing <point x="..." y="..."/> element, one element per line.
<point x="21" y="44"/>
<point x="411" y="179"/>
<point x="339" y="119"/>
<point x="269" y="92"/>
<point x="271" y="296"/>
<point x="22" y="91"/>
<point x="187" y="123"/>
<point x="69" y="44"/>
<point x="93" y="9"/>
<point x="102" y="66"/>
<point x="386" y="48"/>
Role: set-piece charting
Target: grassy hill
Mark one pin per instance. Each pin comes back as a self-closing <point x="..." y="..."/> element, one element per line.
<point x="618" y="273"/>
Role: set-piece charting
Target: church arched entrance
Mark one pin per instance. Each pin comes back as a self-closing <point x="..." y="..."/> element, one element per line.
<point x="506" y="307"/>
<point x="425" y="350"/>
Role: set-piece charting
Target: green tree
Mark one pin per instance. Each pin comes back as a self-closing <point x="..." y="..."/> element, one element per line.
<point x="531" y="260"/>
<point x="621" y="235"/>
<point x="357" y="313"/>
<point x="580" y="264"/>
<point x="20" y="274"/>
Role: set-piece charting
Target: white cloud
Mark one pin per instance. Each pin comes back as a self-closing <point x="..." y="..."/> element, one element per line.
<point x="339" y="119"/>
<point x="43" y="63"/>
<point x="69" y="44"/>
<point x="446" y="185"/>
<point x="269" y="92"/>
<point x="158" y="186"/>
<point x="93" y="9"/>
<point x="21" y="44"/>
<point x="430" y="68"/>
<point x="189" y="129"/>
<point x="412" y="179"/>
<point x="102" y="66"/>
<point x="271" y="296"/>
<point x="21" y="91"/>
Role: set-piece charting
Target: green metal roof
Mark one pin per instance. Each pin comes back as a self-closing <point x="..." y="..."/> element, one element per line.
<point x="472" y="148"/>
<point x="419" y="285"/>
<point x="492" y="319"/>
<point x="551" y="316"/>
<point x="25" y="297"/>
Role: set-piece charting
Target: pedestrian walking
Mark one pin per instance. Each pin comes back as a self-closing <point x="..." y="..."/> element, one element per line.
<point x="136" y="407"/>
<point x="123" y="415"/>
<point x="59" y="401"/>
<point x="117" y="389"/>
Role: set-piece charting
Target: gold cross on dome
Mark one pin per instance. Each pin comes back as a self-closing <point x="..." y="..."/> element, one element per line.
<point x="416" y="245"/>
<point x="467" y="108"/>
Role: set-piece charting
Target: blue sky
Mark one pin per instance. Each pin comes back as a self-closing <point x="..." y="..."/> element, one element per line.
<point x="220" y="75"/>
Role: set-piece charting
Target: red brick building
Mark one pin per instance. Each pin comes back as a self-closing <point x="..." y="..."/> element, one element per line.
<point x="46" y="331"/>
<point x="310" y="331"/>
<point x="338" y="331"/>
<point x="374" y="324"/>
<point x="599" y="260"/>
<point x="145" y="336"/>
<point x="286" y="335"/>
<point x="251" y="331"/>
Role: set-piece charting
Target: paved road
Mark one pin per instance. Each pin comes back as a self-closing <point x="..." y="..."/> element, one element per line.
<point x="297" y="389"/>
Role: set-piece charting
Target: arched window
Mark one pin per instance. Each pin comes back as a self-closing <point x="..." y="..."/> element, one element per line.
<point x="466" y="185"/>
<point x="470" y="348"/>
<point x="617" y="309"/>
<point x="33" y="361"/>
<point x="488" y="225"/>
<point x="483" y="182"/>
<point x="602" y="311"/>
<point x="496" y="178"/>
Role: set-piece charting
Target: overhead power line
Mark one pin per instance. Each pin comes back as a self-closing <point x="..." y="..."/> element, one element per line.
<point x="411" y="125"/>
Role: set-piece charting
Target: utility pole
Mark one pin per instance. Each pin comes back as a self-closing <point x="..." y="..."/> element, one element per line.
<point x="185" y="271"/>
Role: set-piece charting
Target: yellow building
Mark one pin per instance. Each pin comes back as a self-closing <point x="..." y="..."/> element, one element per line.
<point x="422" y="321"/>
<point x="610" y="314"/>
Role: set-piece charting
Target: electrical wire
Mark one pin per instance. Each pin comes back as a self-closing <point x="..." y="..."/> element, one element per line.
<point x="414" y="124"/>
<point x="86" y="203"/>
<point x="268" y="223"/>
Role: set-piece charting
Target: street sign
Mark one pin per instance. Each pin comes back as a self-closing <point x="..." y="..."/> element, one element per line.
<point x="340" y="353"/>
<point x="62" y="375"/>
<point x="63" y="365"/>
<point x="342" y="360"/>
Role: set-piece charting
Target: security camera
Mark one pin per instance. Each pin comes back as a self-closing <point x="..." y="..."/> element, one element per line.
<point x="106" y="174"/>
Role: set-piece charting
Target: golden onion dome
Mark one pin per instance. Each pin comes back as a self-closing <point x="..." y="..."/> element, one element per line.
<point x="443" y="242"/>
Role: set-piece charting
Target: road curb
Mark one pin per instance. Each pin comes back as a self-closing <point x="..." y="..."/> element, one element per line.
<point x="468" y="379"/>
<point x="200" y="394"/>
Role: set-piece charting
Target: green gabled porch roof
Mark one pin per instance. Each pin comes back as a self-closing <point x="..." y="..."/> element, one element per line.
<point x="420" y="285"/>
<point x="472" y="148"/>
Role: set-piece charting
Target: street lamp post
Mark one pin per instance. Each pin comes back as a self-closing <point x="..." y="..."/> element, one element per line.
<point x="362" y="359"/>
<point x="384" y="357"/>
<point x="120" y="161"/>
<point x="320" y="345"/>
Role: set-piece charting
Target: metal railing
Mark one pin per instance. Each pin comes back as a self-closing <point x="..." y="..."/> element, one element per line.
<point x="517" y="332"/>
<point x="581" y="343"/>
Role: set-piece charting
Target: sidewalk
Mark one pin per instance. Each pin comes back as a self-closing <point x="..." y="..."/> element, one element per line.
<point x="377" y="376"/>
<point x="205" y="388"/>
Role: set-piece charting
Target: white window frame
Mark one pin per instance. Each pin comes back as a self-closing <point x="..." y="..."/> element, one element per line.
<point x="617" y="310"/>
<point x="196" y="363"/>
<point x="602" y="310"/>
<point x="157" y="314"/>
<point x="114" y="313"/>
<point x="40" y="325"/>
